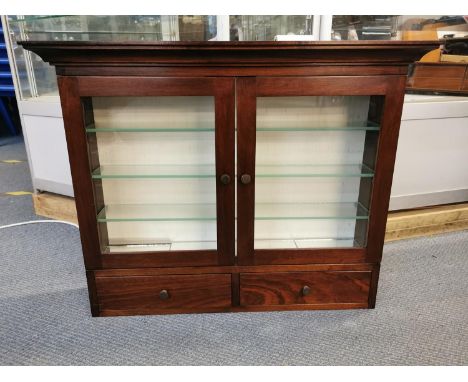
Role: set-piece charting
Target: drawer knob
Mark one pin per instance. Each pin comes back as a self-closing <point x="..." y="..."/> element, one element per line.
<point x="305" y="290"/>
<point x="245" y="179"/>
<point x="164" y="294"/>
<point x="225" y="179"/>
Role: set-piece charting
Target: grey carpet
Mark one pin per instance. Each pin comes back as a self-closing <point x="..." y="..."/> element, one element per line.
<point x="421" y="316"/>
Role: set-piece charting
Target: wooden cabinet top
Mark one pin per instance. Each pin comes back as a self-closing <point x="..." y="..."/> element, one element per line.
<point x="217" y="53"/>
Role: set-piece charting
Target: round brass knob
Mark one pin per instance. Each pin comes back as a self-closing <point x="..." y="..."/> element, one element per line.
<point x="305" y="290"/>
<point x="225" y="179"/>
<point x="164" y="294"/>
<point x="245" y="179"/>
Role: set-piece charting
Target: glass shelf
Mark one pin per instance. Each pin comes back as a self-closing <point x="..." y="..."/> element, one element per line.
<point x="305" y="243"/>
<point x="163" y="246"/>
<point x="92" y="129"/>
<point x="211" y="245"/>
<point x="370" y="127"/>
<point x="157" y="212"/>
<point x="208" y="171"/>
<point x="310" y="211"/>
<point x="325" y="170"/>
<point x="154" y="171"/>
<point x="206" y="212"/>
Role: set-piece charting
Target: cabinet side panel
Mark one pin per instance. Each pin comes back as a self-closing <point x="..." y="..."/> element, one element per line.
<point x="384" y="165"/>
<point x="80" y="168"/>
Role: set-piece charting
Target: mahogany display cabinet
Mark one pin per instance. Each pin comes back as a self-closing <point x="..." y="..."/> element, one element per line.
<point x="231" y="176"/>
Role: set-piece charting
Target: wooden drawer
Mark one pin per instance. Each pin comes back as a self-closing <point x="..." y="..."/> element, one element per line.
<point x="437" y="76"/>
<point x="440" y="70"/>
<point x="164" y="292"/>
<point x="304" y="288"/>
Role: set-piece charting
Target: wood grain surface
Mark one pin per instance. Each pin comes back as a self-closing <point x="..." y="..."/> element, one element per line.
<point x="286" y="288"/>
<point x="184" y="291"/>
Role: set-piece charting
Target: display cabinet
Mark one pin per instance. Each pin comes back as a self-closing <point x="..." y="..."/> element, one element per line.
<point x="392" y="27"/>
<point x="237" y="176"/>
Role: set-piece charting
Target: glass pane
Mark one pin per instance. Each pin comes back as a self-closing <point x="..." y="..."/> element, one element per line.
<point x="431" y="27"/>
<point x="21" y="61"/>
<point x="314" y="169"/>
<point x="197" y="27"/>
<point x="269" y="28"/>
<point x="153" y="167"/>
<point x="38" y="78"/>
<point x="118" y="28"/>
<point x="406" y="27"/>
<point x="370" y="27"/>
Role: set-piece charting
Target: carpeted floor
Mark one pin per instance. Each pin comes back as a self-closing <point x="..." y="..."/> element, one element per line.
<point x="421" y="316"/>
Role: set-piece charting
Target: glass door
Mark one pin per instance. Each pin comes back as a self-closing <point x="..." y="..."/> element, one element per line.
<point x="306" y="166"/>
<point x="161" y="159"/>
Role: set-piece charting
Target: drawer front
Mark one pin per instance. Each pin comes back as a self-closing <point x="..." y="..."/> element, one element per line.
<point x="164" y="292"/>
<point x="440" y="70"/>
<point x="304" y="288"/>
<point x="449" y="77"/>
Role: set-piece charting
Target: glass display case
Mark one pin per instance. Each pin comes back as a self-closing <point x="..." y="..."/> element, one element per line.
<point x="36" y="78"/>
<point x="276" y="27"/>
<point x="393" y="27"/>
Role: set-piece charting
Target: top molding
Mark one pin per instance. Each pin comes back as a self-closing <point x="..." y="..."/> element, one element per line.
<point x="217" y="53"/>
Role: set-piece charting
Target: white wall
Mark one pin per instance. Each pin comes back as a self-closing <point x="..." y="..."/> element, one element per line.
<point x="432" y="158"/>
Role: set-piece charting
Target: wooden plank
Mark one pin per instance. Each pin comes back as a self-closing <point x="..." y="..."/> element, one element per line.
<point x="219" y="71"/>
<point x="138" y="86"/>
<point x="455" y="58"/>
<point x="427" y="221"/>
<point x="55" y="206"/>
<point x="232" y="309"/>
<point x="236" y="269"/>
<point x="322" y="86"/>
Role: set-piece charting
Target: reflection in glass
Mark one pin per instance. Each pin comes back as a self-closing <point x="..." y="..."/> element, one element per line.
<point x="266" y="28"/>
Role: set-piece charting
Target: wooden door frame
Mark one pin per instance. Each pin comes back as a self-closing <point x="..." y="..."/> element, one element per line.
<point x="72" y="92"/>
<point x="248" y="89"/>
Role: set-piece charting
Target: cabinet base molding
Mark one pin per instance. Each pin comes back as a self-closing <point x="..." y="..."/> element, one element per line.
<point x="233" y="309"/>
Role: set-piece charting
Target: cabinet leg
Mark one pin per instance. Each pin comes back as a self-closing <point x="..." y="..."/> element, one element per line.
<point x="93" y="299"/>
<point x="373" y="286"/>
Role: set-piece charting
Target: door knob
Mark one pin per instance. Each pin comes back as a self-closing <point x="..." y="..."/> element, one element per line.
<point x="245" y="179"/>
<point x="164" y="294"/>
<point x="305" y="290"/>
<point x="225" y="179"/>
